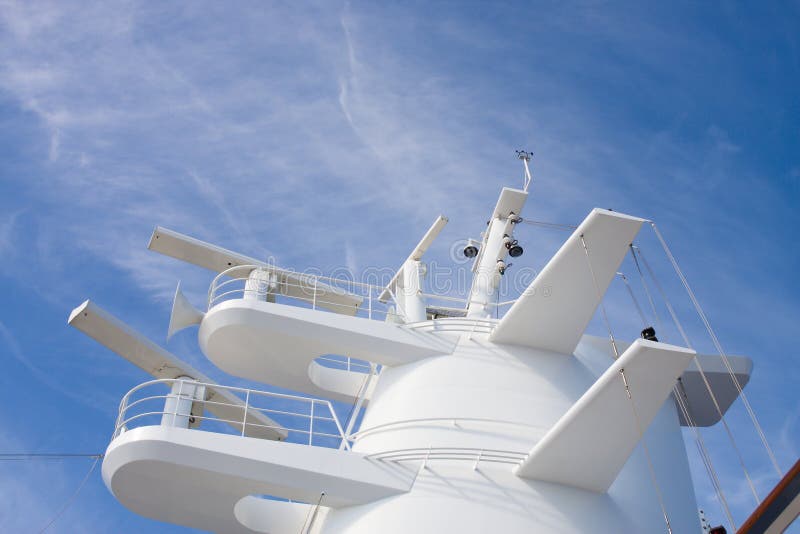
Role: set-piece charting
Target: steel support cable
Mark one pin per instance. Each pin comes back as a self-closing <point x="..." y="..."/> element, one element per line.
<point x="702" y="374"/>
<point x="11" y="456"/>
<point x="663" y="294"/>
<point x="305" y="521"/>
<point x="362" y="392"/>
<point x="315" y="509"/>
<point x="683" y="403"/>
<point x="600" y="298"/>
<point x="633" y="298"/>
<point x="646" y="289"/>
<point x="546" y="224"/>
<point x="646" y="450"/>
<point x="74" y="495"/>
<point x="718" y="346"/>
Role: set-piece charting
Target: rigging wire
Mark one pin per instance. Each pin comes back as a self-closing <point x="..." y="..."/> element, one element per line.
<point x="635" y="250"/>
<point x="679" y="393"/>
<point x="600" y="299"/>
<point x="362" y="390"/>
<point x="545" y="224"/>
<point x="646" y="450"/>
<point x="10" y="456"/>
<point x="633" y="298"/>
<point x="646" y="289"/>
<point x="315" y="509"/>
<point x="305" y="522"/>
<point x="701" y="371"/>
<point x="718" y="346"/>
<point x="64" y="507"/>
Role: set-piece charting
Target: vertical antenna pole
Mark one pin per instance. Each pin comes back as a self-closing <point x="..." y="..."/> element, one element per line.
<point x="525" y="157"/>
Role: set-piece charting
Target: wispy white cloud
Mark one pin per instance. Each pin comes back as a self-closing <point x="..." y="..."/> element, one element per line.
<point x="278" y="134"/>
<point x="7" y="230"/>
<point x="91" y="399"/>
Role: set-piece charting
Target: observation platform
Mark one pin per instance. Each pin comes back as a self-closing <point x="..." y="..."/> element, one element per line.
<point x="173" y="459"/>
<point x="291" y="334"/>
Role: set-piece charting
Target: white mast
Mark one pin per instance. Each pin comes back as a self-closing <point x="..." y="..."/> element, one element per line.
<point x="499" y="235"/>
<point x="472" y="424"/>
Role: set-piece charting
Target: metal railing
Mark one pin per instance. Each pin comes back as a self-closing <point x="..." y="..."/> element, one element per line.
<point x="345" y="363"/>
<point x="216" y="408"/>
<point x="300" y="289"/>
<point x="445" y="422"/>
<point x="475" y="455"/>
<point x="456" y="324"/>
<point x="221" y="409"/>
<point x="265" y="283"/>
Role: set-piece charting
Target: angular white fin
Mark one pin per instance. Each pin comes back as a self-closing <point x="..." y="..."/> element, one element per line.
<point x="555" y="309"/>
<point x="416" y="255"/>
<point x="112" y="333"/>
<point x="590" y="444"/>
<point x="218" y="259"/>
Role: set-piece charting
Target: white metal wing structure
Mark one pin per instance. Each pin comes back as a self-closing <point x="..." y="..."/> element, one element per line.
<point x="109" y="331"/>
<point x="588" y="446"/>
<point x="416" y="255"/>
<point x="270" y="342"/>
<point x="555" y="309"/>
<point x="457" y="419"/>
<point x="204" y="479"/>
<point x="218" y="259"/>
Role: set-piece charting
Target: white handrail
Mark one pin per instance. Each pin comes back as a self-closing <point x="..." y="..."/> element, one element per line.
<point x="316" y="413"/>
<point x="346" y="364"/>
<point x="476" y="455"/>
<point x="232" y="283"/>
<point x="449" y="420"/>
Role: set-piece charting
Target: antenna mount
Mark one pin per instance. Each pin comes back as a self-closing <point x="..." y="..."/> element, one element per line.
<point x="525" y="156"/>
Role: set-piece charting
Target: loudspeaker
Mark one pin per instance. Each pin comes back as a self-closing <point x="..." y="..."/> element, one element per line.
<point x="183" y="313"/>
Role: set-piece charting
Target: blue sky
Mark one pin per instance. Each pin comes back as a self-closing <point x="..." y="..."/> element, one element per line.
<point x="331" y="134"/>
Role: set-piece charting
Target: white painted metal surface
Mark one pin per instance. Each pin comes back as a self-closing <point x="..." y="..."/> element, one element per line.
<point x="256" y="282"/>
<point x="178" y="404"/>
<point x="395" y="284"/>
<point x="703" y="410"/>
<point x="100" y="325"/>
<point x="183" y="313"/>
<point x="588" y="446"/>
<point x="554" y="310"/>
<point x="488" y="267"/>
<point x="491" y="398"/>
<point x="197" y="479"/>
<point x="218" y="259"/>
<point x="272" y="343"/>
<point x="474" y="425"/>
<point x="298" y="419"/>
<point x="413" y="299"/>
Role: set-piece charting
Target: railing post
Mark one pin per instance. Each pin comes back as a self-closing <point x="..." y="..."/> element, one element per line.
<point x="399" y="307"/>
<point x="179" y="402"/>
<point x="413" y="298"/>
<point x="123" y="407"/>
<point x="369" y="304"/>
<point x="344" y="444"/>
<point x="362" y="394"/>
<point x="480" y="455"/>
<point x="246" y="408"/>
<point x="311" y="423"/>
<point x="314" y="298"/>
